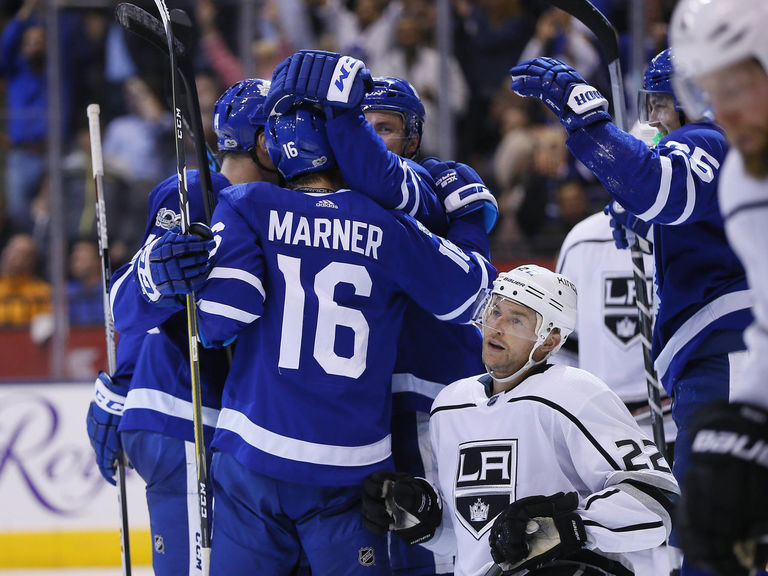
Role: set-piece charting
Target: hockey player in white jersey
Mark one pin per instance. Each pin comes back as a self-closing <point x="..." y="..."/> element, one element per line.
<point x="722" y="71"/>
<point x="698" y="347"/>
<point x="312" y="281"/>
<point x="539" y="467"/>
<point x="606" y="340"/>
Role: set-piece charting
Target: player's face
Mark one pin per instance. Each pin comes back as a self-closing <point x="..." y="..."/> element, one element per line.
<point x="390" y="127"/>
<point x="662" y="114"/>
<point x="739" y="98"/>
<point x="509" y="334"/>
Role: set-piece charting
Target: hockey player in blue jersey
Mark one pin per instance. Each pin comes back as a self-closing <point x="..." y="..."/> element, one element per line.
<point x="313" y="280"/>
<point x="156" y="425"/>
<point x="375" y="148"/>
<point x="704" y="303"/>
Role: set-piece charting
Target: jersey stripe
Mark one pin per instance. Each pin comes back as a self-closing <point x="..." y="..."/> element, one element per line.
<point x="663" y="194"/>
<point x="301" y="450"/>
<point x="575" y="421"/>
<point x="226" y="311"/>
<point x="150" y="399"/>
<point x="630" y="528"/>
<point x="237" y="274"/>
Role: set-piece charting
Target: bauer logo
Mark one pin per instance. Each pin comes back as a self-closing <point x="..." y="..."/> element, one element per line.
<point x="485" y="483"/>
<point x="584" y="98"/>
<point x="619" y="308"/>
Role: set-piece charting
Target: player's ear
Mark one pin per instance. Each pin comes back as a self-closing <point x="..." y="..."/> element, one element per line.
<point x="552" y="340"/>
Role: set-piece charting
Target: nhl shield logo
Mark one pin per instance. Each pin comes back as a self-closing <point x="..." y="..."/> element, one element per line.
<point x="366" y="556"/>
<point x="485" y="483"/>
<point x="619" y="309"/>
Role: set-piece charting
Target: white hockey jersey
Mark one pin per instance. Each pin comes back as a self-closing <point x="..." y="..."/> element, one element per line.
<point x="559" y="430"/>
<point x="744" y="205"/>
<point x="606" y="341"/>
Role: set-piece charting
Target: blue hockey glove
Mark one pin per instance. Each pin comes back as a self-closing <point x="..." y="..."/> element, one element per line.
<point x="562" y="89"/>
<point x="103" y="418"/>
<point x="336" y="82"/>
<point x="627" y="228"/>
<point x="535" y="530"/>
<point x="462" y="191"/>
<point x="175" y="263"/>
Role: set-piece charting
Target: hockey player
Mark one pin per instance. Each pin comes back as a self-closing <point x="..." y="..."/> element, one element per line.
<point x="606" y="340"/>
<point x="721" y="68"/>
<point x="697" y="339"/>
<point x="530" y="440"/>
<point x="155" y="425"/>
<point x="375" y="148"/>
<point x="312" y="280"/>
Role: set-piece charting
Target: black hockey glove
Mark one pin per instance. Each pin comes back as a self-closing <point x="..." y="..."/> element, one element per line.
<point x="723" y="512"/>
<point x="535" y="530"/>
<point x="396" y="501"/>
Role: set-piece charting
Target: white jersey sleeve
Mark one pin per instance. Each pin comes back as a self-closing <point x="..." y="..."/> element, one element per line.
<point x="744" y="204"/>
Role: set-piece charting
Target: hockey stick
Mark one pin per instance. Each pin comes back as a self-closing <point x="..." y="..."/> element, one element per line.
<point x="140" y="22"/>
<point x="601" y="27"/>
<point x="109" y="324"/>
<point x="181" y="171"/>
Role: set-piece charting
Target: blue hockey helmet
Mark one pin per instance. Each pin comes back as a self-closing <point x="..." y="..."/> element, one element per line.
<point x="397" y="95"/>
<point x="239" y="114"/>
<point x="297" y="142"/>
<point x="657" y="80"/>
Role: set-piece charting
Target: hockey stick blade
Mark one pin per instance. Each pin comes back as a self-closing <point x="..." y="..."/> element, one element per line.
<point x="595" y="21"/>
<point x="146" y="26"/>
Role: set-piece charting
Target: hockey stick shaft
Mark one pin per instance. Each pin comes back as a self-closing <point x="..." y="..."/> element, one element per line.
<point x="97" y="164"/>
<point x="140" y="22"/>
<point x="194" y="364"/>
<point x="601" y="27"/>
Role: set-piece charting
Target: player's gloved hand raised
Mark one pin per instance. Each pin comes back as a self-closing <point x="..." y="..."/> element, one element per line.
<point x="396" y="501"/>
<point x="462" y="191"/>
<point x="562" y="89"/>
<point x="535" y="530"/>
<point x="175" y="263"/>
<point x="628" y="228"/>
<point x="334" y="81"/>
<point x="723" y="512"/>
<point x="103" y="418"/>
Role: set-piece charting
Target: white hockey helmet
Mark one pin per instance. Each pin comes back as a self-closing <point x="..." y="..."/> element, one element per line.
<point x="552" y="296"/>
<point x="707" y="35"/>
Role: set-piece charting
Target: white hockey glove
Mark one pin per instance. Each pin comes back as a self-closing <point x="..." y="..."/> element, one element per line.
<point x="407" y="506"/>
<point x="535" y="530"/>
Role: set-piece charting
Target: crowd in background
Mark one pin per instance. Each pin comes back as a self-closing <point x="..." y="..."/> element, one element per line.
<point x="515" y="144"/>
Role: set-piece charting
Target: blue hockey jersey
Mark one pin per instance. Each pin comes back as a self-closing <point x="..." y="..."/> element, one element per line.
<point x="160" y="397"/>
<point x="314" y="287"/>
<point x="430" y="353"/>
<point x="700" y="282"/>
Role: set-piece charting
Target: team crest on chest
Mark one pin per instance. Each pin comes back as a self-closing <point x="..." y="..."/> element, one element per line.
<point x="619" y="309"/>
<point x="485" y="482"/>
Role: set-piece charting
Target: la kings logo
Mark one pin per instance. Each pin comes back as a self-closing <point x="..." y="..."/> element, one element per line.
<point x="484" y="483"/>
<point x="619" y="308"/>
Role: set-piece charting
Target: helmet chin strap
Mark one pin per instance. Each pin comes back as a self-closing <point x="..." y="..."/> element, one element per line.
<point x="527" y="366"/>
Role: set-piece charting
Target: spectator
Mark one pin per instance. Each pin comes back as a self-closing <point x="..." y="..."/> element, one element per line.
<point x="414" y="59"/>
<point x="85" y="288"/>
<point x="22" y="294"/>
<point x="23" y="65"/>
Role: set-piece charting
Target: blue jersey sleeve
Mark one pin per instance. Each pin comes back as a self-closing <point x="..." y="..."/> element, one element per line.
<point x="674" y="183"/>
<point x="393" y="182"/>
<point x="233" y="297"/>
<point x="129" y="309"/>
